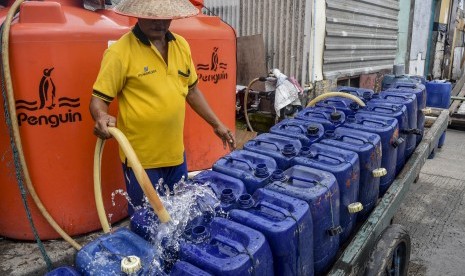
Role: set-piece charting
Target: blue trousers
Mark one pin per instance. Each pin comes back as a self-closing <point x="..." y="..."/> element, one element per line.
<point x="171" y="175"/>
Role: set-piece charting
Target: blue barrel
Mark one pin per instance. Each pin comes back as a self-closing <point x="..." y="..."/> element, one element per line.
<point x="306" y="132"/>
<point x="280" y="218"/>
<point x="348" y="106"/>
<point x="252" y="168"/>
<point x="399" y="112"/>
<point x="368" y="147"/>
<point x="63" y="271"/>
<point x="226" y="188"/>
<point x="103" y="255"/>
<point x="362" y="93"/>
<point x="282" y="149"/>
<point x="320" y="190"/>
<point x="388" y="130"/>
<point x="328" y="117"/>
<point x="182" y="268"/>
<point x="345" y="166"/>
<point x="420" y="92"/>
<point x="226" y="247"/>
<point x="438" y="95"/>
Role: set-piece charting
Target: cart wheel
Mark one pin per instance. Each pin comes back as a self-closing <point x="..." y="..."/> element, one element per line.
<point x="391" y="254"/>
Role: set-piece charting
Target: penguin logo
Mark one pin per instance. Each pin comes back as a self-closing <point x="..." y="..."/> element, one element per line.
<point x="47" y="90"/>
<point x="214" y="64"/>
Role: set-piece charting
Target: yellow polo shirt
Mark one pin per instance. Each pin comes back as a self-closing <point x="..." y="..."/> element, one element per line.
<point x="151" y="95"/>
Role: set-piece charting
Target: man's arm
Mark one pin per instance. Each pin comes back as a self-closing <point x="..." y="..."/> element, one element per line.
<point x="99" y="111"/>
<point x="197" y="101"/>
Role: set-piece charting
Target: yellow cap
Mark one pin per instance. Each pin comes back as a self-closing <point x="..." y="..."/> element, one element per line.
<point x="131" y="264"/>
<point x="379" y="172"/>
<point x="427" y="111"/>
<point x="355" y="207"/>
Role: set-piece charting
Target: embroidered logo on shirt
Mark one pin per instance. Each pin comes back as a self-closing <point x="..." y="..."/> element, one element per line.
<point x="147" y="72"/>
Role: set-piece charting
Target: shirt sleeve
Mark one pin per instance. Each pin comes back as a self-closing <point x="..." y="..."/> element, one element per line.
<point x="111" y="77"/>
<point x="193" y="78"/>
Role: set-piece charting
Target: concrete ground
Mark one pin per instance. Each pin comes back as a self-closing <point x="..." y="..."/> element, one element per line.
<point x="434" y="212"/>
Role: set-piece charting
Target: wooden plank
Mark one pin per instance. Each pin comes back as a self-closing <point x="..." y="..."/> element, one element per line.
<point x="455" y="103"/>
<point x="243" y="136"/>
<point x="251" y="59"/>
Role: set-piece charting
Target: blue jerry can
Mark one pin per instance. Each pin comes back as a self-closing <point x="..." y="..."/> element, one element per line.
<point x="307" y="132"/>
<point x="345" y="166"/>
<point x="104" y="255"/>
<point x="399" y="112"/>
<point x="280" y="218"/>
<point x="226" y="188"/>
<point x="419" y="91"/>
<point x="368" y="147"/>
<point x="282" y="149"/>
<point x="227" y="248"/>
<point x="328" y="117"/>
<point x="321" y="192"/>
<point x="348" y="106"/>
<point x="388" y="130"/>
<point x="362" y="93"/>
<point x="410" y="102"/>
<point x="253" y="169"/>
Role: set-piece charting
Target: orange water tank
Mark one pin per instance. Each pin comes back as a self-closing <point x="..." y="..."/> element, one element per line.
<point x="55" y="55"/>
<point x="213" y="46"/>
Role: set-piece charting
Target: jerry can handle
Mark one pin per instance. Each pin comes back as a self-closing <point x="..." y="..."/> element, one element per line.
<point x="373" y="121"/>
<point x="239" y="160"/>
<point x="303" y="179"/>
<point x="385" y="108"/>
<point x="355" y="138"/>
<point x="295" y="125"/>
<point x="267" y="142"/>
<point x="340" y="159"/>
<point x="275" y="208"/>
<point x="234" y="244"/>
<point x="319" y="113"/>
<point x="405" y="85"/>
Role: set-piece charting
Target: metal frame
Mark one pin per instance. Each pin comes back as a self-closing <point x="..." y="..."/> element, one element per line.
<point x="354" y="258"/>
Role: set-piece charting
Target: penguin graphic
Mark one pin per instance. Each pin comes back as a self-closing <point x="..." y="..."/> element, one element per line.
<point x="214" y="66"/>
<point x="47" y="90"/>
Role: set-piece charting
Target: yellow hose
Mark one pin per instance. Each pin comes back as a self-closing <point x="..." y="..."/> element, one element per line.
<point x="246" y="98"/>
<point x="14" y="125"/>
<point x="336" y="94"/>
<point x="139" y="172"/>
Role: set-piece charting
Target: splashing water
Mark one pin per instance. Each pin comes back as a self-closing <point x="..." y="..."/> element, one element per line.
<point x="188" y="205"/>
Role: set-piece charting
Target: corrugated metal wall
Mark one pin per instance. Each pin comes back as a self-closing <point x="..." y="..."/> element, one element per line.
<point x="282" y="24"/>
<point x="361" y="37"/>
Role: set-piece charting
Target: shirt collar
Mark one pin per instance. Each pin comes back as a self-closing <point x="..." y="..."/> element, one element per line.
<point x="143" y="38"/>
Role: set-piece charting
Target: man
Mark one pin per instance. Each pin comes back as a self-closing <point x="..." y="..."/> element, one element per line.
<point x="151" y="73"/>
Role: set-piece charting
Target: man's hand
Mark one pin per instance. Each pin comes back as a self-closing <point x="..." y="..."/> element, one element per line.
<point x="101" y="126"/>
<point x="98" y="110"/>
<point x="226" y="136"/>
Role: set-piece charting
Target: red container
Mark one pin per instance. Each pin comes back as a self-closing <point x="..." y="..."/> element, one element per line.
<point x="55" y="53"/>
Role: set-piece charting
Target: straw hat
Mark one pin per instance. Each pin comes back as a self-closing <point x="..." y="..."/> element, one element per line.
<point x="156" y="9"/>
